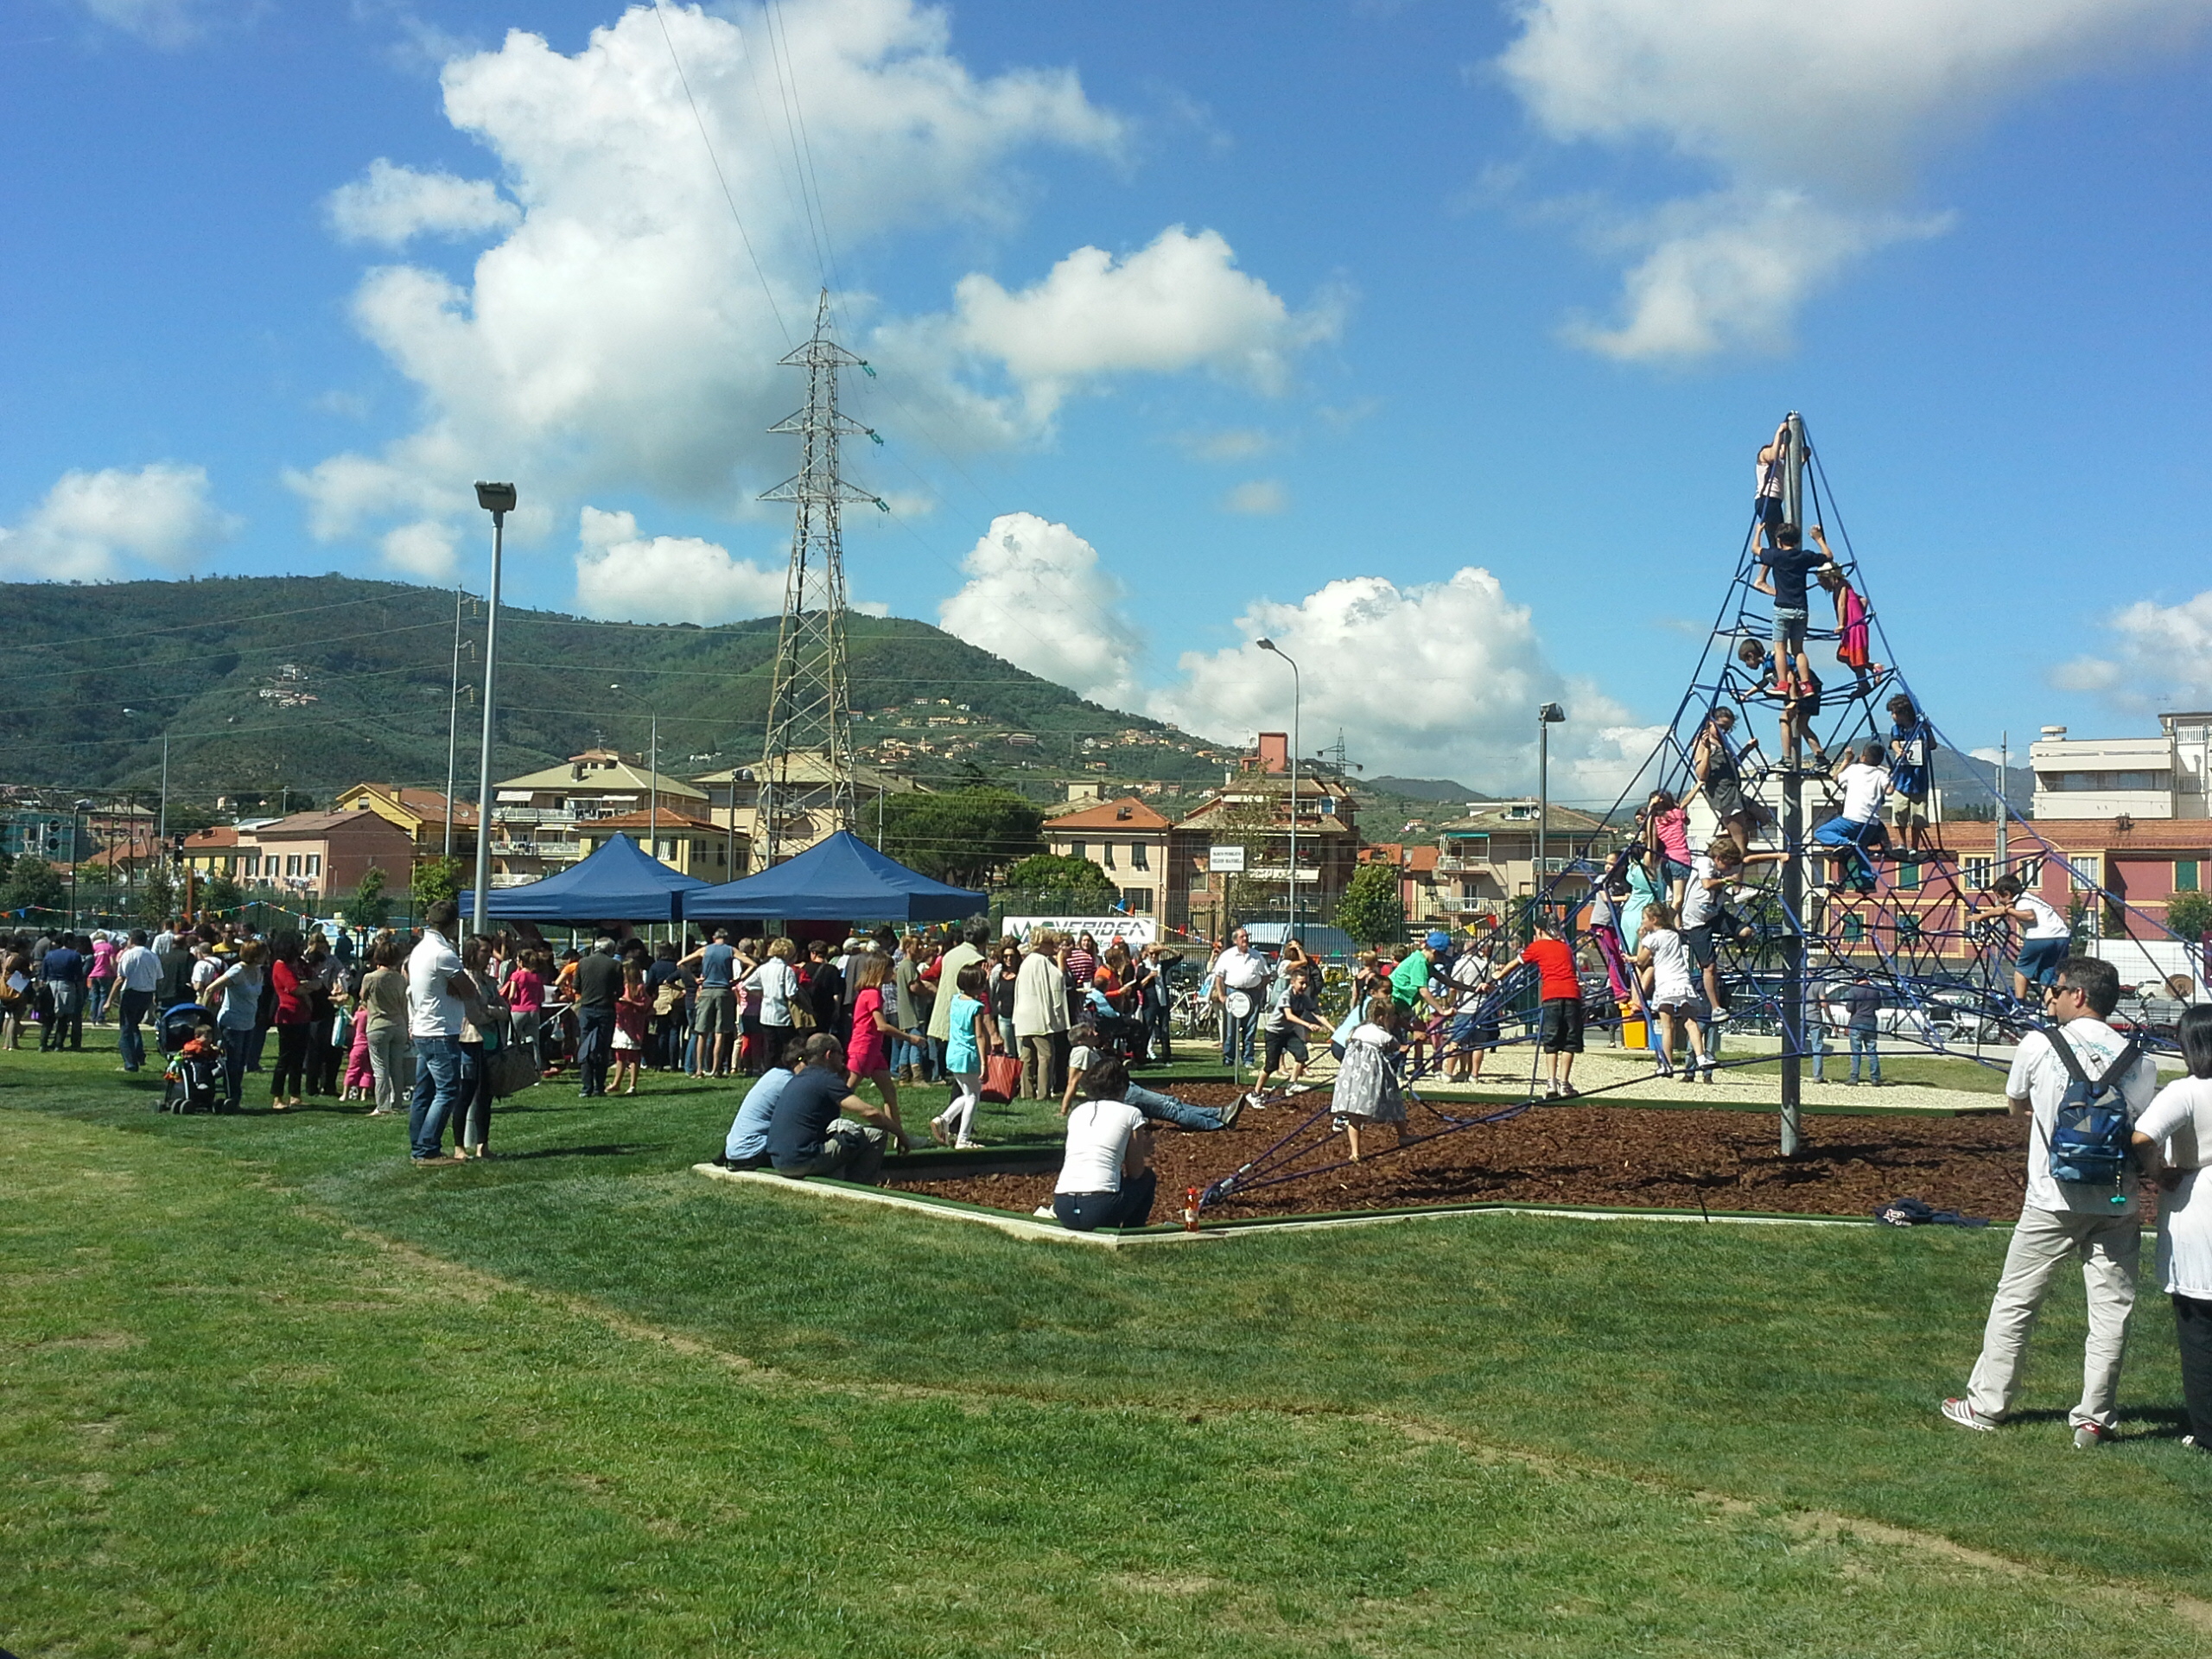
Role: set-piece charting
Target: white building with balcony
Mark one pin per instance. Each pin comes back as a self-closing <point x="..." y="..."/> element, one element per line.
<point x="2161" y="777"/>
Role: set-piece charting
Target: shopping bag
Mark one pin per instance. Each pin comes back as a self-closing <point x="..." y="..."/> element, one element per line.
<point x="1002" y="1078"/>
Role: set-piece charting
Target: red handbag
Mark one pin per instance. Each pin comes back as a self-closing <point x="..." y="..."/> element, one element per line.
<point x="1001" y="1078"/>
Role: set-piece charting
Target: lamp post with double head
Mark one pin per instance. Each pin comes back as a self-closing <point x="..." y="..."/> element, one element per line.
<point x="1297" y="697"/>
<point x="499" y="500"/>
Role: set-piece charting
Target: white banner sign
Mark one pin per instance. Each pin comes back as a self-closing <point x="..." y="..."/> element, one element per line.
<point x="1225" y="860"/>
<point x="1135" y="931"/>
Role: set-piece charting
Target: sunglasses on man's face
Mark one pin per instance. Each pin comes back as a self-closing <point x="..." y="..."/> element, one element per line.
<point x="2050" y="991"/>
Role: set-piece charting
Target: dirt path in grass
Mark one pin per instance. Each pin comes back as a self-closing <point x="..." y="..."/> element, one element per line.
<point x="1633" y="1157"/>
<point x="1826" y="1525"/>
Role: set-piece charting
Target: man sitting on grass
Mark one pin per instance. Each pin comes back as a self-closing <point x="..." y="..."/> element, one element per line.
<point x="747" y="1144"/>
<point x="819" y="1127"/>
<point x="1106" y="1176"/>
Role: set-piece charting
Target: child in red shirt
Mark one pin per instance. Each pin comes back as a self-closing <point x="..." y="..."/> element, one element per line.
<point x="1561" y="1027"/>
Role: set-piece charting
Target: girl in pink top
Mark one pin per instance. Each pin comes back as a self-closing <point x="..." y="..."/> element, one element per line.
<point x="100" y="978"/>
<point x="360" y="1076"/>
<point x="868" y="1054"/>
<point x="1852" y="649"/>
<point x="1667" y="831"/>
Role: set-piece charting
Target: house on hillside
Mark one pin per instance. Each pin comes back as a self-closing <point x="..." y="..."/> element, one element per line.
<point x="689" y="842"/>
<point x="310" y="855"/>
<point x="535" y="817"/>
<point x="1126" y="839"/>
<point x="731" y="798"/>
<point x="1487" y="861"/>
<point x="420" y="812"/>
<point x="1257" y="810"/>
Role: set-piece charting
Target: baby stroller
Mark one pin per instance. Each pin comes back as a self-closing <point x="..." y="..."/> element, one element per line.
<point x="193" y="1080"/>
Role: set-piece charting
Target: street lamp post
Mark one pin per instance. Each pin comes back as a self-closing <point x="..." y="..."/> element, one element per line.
<point x="499" y="500"/>
<point x="1548" y="715"/>
<point x="453" y="721"/>
<point x="652" y="761"/>
<point x="1297" y="697"/>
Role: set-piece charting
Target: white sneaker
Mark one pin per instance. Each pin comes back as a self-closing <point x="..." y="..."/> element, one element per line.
<point x="1963" y="1413"/>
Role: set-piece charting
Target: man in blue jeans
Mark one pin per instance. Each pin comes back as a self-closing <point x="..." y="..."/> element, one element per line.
<point x="63" y="970"/>
<point x="1863" y="999"/>
<point x="1085" y="1057"/>
<point x="137" y="971"/>
<point x="434" y="1020"/>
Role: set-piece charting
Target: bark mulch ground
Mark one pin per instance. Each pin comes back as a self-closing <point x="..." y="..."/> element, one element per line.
<point x="1634" y="1157"/>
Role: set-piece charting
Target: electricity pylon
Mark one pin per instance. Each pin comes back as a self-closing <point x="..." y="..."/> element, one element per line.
<point x="806" y="779"/>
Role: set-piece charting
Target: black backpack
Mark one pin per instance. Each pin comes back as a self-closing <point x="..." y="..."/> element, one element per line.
<point x="2089" y="1133"/>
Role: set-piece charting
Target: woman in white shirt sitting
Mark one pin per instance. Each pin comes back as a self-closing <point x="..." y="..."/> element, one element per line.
<point x="2176" y="1132"/>
<point x="1106" y="1177"/>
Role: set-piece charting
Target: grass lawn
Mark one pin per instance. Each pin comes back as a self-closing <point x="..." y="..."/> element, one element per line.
<point x="265" y="1390"/>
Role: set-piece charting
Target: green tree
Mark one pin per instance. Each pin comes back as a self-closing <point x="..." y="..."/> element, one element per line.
<point x="221" y="892"/>
<point x="1061" y="882"/>
<point x="436" y="878"/>
<point x="369" y="907"/>
<point x="964" y="838"/>
<point x="2190" y="915"/>
<point x="156" y="897"/>
<point x="1371" y="910"/>
<point x="34" y="884"/>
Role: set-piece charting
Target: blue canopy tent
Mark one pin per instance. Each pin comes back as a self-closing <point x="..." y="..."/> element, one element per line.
<point x="841" y="879"/>
<point x="619" y="883"/>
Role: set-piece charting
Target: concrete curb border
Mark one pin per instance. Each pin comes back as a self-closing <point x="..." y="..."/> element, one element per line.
<point x="1036" y="1231"/>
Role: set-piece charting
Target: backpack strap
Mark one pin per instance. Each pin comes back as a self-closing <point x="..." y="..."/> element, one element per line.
<point x="2066" y="1054"/>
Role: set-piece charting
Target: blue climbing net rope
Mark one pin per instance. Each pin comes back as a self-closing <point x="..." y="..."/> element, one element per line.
<point x="1900" y="916"/>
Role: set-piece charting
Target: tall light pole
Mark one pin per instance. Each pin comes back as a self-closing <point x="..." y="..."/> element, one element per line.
<point x="161" y="827"/>
<point x="1548" y="715"/>
<point x="499" y="500"/>
<point x="1297" y="697"/>
<point x="453" y="716"/>
<point x="652" y="760"/>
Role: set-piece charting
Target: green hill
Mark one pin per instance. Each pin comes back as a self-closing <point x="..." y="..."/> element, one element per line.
<point x="310" y="684"/>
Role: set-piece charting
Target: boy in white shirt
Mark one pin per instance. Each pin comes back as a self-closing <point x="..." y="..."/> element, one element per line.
<point x="1866" y="783"/>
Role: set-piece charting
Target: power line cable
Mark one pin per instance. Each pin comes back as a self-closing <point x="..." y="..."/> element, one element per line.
<point x="720" y="177"/>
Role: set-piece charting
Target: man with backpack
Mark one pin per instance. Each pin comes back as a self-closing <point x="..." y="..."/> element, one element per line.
<point x="2083" y="1086"/>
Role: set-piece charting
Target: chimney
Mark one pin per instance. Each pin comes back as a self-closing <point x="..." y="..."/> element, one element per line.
<point x="1274" y="751"/>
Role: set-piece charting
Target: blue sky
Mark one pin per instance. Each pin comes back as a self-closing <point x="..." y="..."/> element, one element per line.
<point x="1448" y="379"/>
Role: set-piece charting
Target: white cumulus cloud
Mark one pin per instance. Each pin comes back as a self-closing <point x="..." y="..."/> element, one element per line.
<point x="93" y="525"/>
<point x="2161" y="659"/>
<point x="623" y="575"/>
<point x="617" y="335"/>
<point x="1035" y="596"/>
<point x="391" y="204"/>
<point x="424" y="549"/>
<point x="1436" y="679"/>
<point x="1178" y="303"/>
<point x="1813" y="118"/>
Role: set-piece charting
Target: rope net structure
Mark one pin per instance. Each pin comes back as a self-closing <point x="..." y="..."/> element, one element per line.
<point x="1895" y="907"/>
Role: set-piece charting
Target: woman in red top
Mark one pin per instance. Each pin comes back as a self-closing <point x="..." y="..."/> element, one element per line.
<point x="290" y="978"/>
<point x="525" y="989"/>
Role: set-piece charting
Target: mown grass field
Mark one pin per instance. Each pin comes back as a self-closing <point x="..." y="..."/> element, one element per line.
<point x="265" y="1390"/>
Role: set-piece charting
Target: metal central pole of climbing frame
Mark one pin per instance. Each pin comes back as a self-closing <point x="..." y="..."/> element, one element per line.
<point x="1793" y="840"/>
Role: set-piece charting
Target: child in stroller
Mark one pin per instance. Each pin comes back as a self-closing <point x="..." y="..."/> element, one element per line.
<point x="192" y="1078"/>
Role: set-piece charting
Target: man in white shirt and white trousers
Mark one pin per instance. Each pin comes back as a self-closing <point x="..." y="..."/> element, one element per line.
<point x="2097" y="1225"/>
